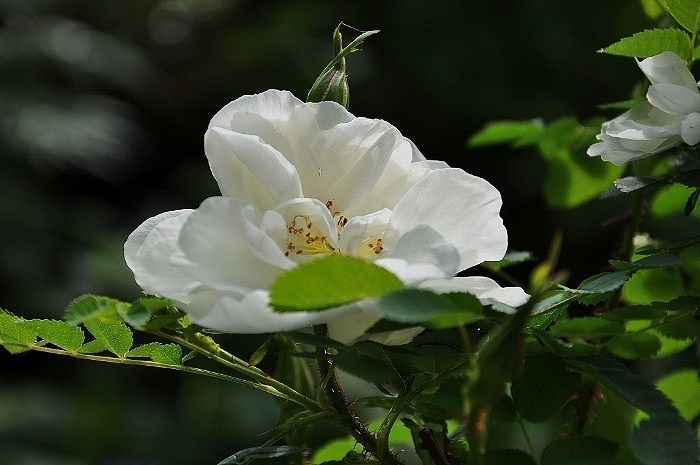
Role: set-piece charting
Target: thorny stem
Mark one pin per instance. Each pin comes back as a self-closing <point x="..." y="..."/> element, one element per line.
<point x="476" y="434"/>
<point x="336" y="399"/>
<point x="229" y="360"/>
<point x="403" y="400"/>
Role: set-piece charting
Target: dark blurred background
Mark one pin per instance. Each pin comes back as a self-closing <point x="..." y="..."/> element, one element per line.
<point x="103" y="107"/>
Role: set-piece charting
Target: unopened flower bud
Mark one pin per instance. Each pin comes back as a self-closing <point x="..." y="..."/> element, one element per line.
<point x="332" y="83"/>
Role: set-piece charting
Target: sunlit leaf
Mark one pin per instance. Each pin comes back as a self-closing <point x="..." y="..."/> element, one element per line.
<point x="672" y="200"/>
<point x="652" y="42"/>
<point x="330" y="282"/>
<point x="571" y="177"/>
<point x="653" y="285"/>
<point x="87" y="307"/>
<point x="140" y="311"/>
<point x="683" y="388"/>
<point x="634" y="346"/>
<point x="668" y="347"/>
<point x="686" y="12"/>
<point x="587" y="327"/>
<point x="503" y="132"/>
<point x="652" y="8"/>
<point x="58" y="333"/>
<point x="116" y="337"/>
<point x="14" y="335"/>
<point x="168" y="354"/>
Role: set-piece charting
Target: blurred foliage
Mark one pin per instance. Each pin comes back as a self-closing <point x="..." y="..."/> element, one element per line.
<point x="103" y="106"/>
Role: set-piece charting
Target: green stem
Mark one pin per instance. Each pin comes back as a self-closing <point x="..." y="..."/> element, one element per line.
<point x="219" y="355"/>
<point x="530" y="447"/>
<point x="476" y="434"/>
<point x="149" y="363"/>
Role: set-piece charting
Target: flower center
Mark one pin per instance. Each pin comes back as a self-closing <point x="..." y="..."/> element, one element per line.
<point x="311" y="232"/>
<point x="304" y="239"/>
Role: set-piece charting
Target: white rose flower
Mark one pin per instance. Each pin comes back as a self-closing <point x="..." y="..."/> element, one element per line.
<point x="670" y="116"/>
<point x="304" y="180"/>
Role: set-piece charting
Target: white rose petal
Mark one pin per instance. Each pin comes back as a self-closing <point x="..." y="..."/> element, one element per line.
<point x="668" y="117"/>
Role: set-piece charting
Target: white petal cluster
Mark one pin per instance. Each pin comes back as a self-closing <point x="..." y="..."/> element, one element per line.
<point x="669" y="117"/>
<point x="303" y="180"/>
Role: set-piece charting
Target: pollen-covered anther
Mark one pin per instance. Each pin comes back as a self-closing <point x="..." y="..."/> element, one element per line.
<point x="371" y="246"/>
<point x="302" y="238"/>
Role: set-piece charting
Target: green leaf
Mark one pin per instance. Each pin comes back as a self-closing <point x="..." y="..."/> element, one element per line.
<point x="668" y="346"/>
<point x="673" y="247"/>
<point x="260" y="353"/>
<point x="652" y="8"/>
<point x="168" y="354"/>
<point x="435" y="310"/>
<point x="370" y="367"/>
<point x="680" y="328"/>
<point x="502" y="132"/>
<point x="672" y="201"/>
<point x="628" y="385"/>
<point x="140" y="311"/>
<point x="654" y="285"/>
<point x="89" y="307"/>
<point x="260" y="453"/>
<point x="664" y="440"/>
<point x="498" y="359"/>
<point x="604" y="282"/>
<point x="58" y="333"/>
<point x="587" y="327"/>
<point x="579" y="450"/>
<point x="508" y="457"/>
<point x="15" y="336"/>
<point x="630" y="184"/>
<point x="551" y="306"/>
<point x="651" y="42"/>
<point x="634" y="346"/>
<point x="93" y="347"/>
<point x="686" y="12"/>
<point x="683" y="388"/>
<point x="636" y="312"/>
<point x="650" y="261"/>
<point x="542" y="388"/>
<point x="116" y="337"/>
<point x="330" y="282"/>
<point x="573" y="178"/>
<point x="512" y="257"/>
